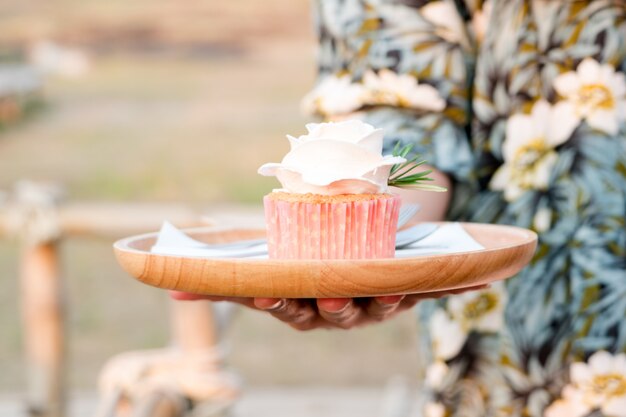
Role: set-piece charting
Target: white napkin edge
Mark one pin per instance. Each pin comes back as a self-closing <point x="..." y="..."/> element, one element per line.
<point x="448" y="238"/>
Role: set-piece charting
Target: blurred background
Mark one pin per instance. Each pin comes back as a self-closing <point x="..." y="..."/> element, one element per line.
<point x="158" y="101"/>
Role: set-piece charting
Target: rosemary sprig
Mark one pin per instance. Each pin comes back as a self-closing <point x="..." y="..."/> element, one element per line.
<point x="402" y="175"/>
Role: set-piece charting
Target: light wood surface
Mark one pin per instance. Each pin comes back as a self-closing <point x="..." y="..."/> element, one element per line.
<point x="507" y="250"/>
<point x="112" y="220"/>
<point x="193" y="326"/>
<point x="42" y="314"/>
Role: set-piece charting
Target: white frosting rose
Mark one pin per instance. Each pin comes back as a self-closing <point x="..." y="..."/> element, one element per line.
<point x="335" y="158"/>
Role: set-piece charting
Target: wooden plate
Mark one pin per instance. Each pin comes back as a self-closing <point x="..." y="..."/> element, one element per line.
<point x="507" y="250"/>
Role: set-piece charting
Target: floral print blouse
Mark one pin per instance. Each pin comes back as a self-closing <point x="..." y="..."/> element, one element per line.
<point x="523" y="104"/>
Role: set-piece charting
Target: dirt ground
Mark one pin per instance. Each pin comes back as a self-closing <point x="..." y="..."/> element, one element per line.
<point x="183" y="101"/>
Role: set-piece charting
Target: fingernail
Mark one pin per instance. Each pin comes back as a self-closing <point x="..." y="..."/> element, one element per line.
<point x="185" y="296"/>
<point x="389" y="299"/>
<point x="269" y="303"/>
<point x="336" y="305"/>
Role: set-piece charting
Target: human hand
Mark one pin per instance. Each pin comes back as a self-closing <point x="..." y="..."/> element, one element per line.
<point x="329" y="313"/>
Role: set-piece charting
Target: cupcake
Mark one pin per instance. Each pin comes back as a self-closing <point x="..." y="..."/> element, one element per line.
<point x="343" y="226"/>
<point x="334" y="202"/>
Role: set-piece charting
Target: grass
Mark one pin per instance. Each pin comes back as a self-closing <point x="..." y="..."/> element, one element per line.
<point x="120" y="134"/>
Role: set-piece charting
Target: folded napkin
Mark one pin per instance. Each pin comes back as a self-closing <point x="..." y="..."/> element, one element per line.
<point x="449" y="238"/>
<point x="172" y="241"/>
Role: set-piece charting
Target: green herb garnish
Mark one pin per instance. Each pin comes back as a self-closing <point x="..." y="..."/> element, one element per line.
<point x="404" y="175"/>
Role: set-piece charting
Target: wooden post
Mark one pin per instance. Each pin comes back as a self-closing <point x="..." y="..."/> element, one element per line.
<point x="193" y="325"/>
<point x="34" y="215"/>
<point x="33" y="218"/>
<point x="42" y="312"/>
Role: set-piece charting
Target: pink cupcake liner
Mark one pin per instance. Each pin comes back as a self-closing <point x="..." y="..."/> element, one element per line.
<point x="350" y="230"/>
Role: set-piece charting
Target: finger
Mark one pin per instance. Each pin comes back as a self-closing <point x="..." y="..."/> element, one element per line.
<point x="187" y="296"/>
<point x="299" y="314"/>
<point x="409" y="302"/>
<point x="332" y="304"/>
<point x="340" y="312"/>
<point x="244" y="301"/>
<point x="266" y="303"/>
<point x="379" y="308"/>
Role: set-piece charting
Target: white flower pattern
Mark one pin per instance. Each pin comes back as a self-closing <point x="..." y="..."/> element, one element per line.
<point x="529" y="149"/>
<point x="447" y="335"/>
<point x="334" y="95"/>
<point x="402" y="90"/>
<point x="571" y="405"/>
<point x="448" y="24"/>
<point x="436" y="373"/>
<point x="433" y="409"/>
<point x="339" y="96"/>
<point x="542" y="219"/>
<point x="480" y="20"/>
<point x="595" y="93"/>
<point x="599" y="384"/>
<point x="481" y="311"/>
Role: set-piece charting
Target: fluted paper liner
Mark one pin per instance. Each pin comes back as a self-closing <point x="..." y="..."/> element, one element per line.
<point x="346" y="230"/>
